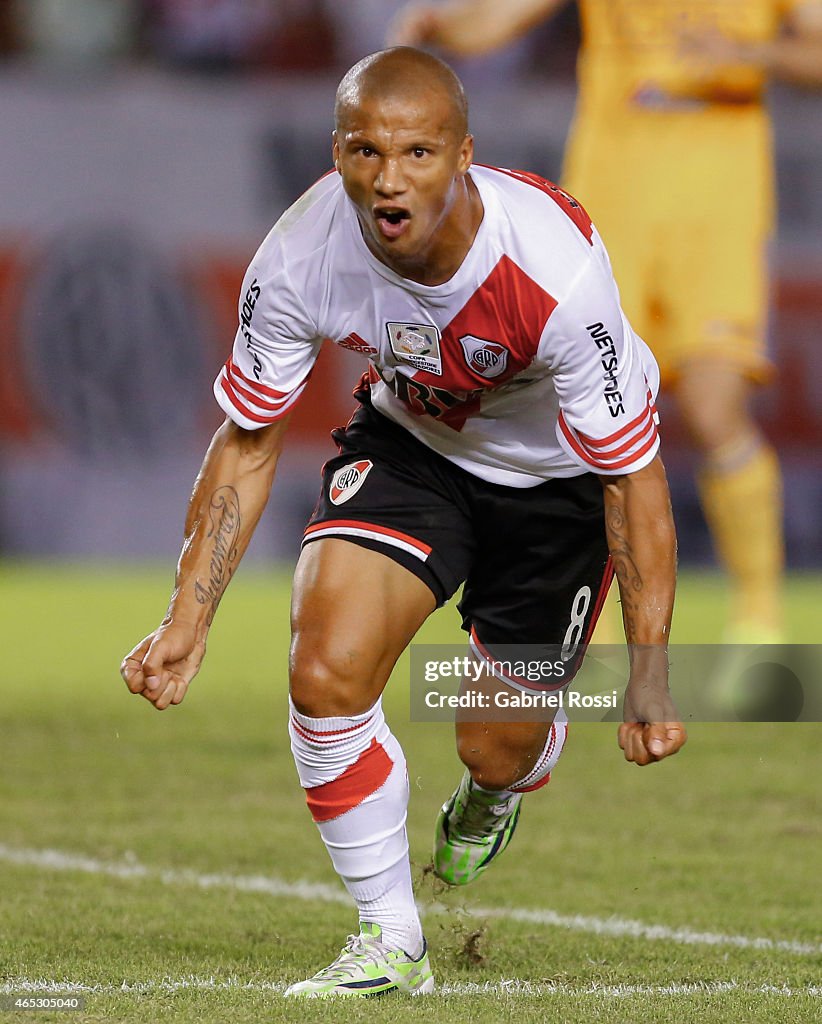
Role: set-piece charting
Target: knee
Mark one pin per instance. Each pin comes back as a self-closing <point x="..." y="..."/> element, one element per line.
<point x="715" y="418"/>
<point x="711" y="427"/>
<point x="324" y="685"/>
<point x="496" y="758"/>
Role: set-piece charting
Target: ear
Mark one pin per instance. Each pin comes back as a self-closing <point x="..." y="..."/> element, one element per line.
<point x="466" y="154"/>
<point x="335" y="150"/>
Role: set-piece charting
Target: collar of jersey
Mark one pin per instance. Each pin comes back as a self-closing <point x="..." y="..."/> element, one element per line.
<point x="465" y="269"/>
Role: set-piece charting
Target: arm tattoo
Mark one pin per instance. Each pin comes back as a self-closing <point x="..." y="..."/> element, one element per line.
<point x="625" y="568"/>
<point x="224" y="513"/>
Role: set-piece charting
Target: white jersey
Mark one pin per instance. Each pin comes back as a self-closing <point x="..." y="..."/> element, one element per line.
<point x="520" y="368"/>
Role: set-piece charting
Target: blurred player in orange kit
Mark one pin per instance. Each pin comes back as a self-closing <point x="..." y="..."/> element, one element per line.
<point x="671" y="154"/>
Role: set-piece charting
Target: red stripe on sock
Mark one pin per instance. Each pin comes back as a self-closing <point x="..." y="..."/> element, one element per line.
<point x="347" y="791"/>
<point x="532" y="789"/>
<point x="543" y="757"/>
<point x="318" y="736"/>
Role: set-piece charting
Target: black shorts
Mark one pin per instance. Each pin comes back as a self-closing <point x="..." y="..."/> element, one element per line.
<point x="534" y="560"/>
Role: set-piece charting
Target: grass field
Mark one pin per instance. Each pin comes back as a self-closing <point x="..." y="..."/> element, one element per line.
<point x="164" y="866"/>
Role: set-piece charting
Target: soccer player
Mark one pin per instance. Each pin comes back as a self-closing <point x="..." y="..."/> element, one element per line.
<point x="671" y="151"/>
<point x="505" y="436"/>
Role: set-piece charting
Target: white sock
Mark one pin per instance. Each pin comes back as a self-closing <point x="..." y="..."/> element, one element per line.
<point x="540" y="774"/>
<point x="387" y="899"/>
<point x="354" y="774"/>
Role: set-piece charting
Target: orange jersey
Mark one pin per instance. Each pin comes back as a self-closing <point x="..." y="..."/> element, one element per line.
<point x="635" y="51"/>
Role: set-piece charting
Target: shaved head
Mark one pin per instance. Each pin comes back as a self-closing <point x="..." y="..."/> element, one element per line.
<point x="402" y="147"/>
<point x="403" y="73"/>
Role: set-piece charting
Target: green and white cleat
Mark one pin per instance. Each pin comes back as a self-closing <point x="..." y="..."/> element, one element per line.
<point x="366" y="967"/>
<point x="473" y="828"/>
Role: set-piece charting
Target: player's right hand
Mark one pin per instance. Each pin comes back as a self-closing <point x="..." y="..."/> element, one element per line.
<point x="414" y="25"/>
<point x="163" y="664"/>
<point x="651" y="730"/>
<point x="647" y="742"/>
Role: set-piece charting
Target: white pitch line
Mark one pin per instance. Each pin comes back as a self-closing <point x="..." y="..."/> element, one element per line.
<point x="618" y="927"/>
<point x="57" y="860"/>
<point x="504" y="987"/>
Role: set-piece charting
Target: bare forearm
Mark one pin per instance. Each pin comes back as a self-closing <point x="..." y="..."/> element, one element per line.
<point x="470" y="27"/>
<point x="642" y="542"/>
<point x="229" y="496"/>
<point x="793" y="56"/>
<point x="794" y="60"/>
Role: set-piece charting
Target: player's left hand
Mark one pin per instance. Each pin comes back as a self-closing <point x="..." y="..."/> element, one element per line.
<point x="651" y="730"/>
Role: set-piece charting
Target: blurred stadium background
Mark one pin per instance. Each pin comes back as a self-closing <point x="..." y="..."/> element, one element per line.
<point x="148" y="145"/>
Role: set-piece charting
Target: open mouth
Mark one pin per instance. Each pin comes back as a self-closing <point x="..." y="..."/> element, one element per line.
<point x="391" y="221"/>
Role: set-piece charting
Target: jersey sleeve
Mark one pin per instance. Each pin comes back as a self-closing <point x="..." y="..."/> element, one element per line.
<point x="275" y="347"/>
<point x="605" y="376"/>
